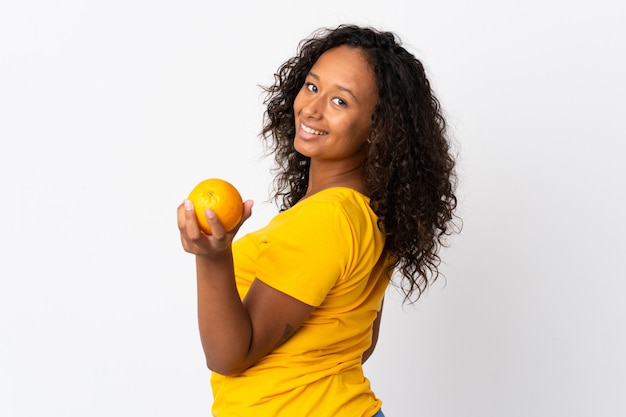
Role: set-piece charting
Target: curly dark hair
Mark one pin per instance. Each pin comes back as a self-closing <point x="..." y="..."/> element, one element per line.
<point x="409" y="169"/>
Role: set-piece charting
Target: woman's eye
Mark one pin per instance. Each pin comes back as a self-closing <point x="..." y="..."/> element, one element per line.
<point x="311" y="87"/>
<point x="339" y="101"/>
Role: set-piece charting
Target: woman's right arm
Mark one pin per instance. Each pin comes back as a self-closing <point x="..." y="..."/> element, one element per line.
<point x="234" y="333"/>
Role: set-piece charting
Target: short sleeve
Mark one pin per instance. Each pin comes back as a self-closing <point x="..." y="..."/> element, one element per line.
<point x="306" y="254"/>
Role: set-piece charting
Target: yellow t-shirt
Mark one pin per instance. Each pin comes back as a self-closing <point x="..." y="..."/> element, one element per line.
<point x="328" y="252"/>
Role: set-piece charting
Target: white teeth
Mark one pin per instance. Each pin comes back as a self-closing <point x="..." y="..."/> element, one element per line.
<point x="312" y="131"/>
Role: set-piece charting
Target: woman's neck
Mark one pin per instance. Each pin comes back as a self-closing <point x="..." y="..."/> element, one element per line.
<point x="322" y="176"/>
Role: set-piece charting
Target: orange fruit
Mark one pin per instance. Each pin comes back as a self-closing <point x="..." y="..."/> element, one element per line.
<point x="221" y="197"/>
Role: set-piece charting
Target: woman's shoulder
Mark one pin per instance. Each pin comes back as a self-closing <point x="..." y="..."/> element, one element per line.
<point x="343" y="202"/>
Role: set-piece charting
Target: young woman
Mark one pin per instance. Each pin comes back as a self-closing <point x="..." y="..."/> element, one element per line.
<point x="365" y="186"/>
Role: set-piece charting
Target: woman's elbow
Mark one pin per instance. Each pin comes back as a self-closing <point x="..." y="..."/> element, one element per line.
<point x="224" y="368"/>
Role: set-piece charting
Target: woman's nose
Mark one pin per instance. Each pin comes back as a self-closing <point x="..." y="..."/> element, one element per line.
<point x="312" y="108"/>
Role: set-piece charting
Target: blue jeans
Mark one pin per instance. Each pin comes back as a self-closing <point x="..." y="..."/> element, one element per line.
<point x="379" y="414"/>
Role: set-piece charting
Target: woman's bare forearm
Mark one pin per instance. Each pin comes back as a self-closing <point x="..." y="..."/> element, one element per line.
<point x="224" y="323"/>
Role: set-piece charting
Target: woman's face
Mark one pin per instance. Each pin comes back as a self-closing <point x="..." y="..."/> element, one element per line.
<point x="333" y="110"/>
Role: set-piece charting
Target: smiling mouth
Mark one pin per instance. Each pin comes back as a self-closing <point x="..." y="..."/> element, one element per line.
<point x="312" y="131"/>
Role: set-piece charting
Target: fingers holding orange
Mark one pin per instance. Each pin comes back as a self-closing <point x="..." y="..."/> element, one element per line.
<point x="190" y="235"/>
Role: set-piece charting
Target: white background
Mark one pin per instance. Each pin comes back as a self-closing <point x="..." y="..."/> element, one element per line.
<point x="110" y="112"/>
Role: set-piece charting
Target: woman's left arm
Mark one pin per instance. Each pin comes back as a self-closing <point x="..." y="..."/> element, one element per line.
<point x="375" y="330"/>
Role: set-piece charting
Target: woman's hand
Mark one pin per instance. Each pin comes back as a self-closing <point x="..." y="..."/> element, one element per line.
<point x="199" y="243"/>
